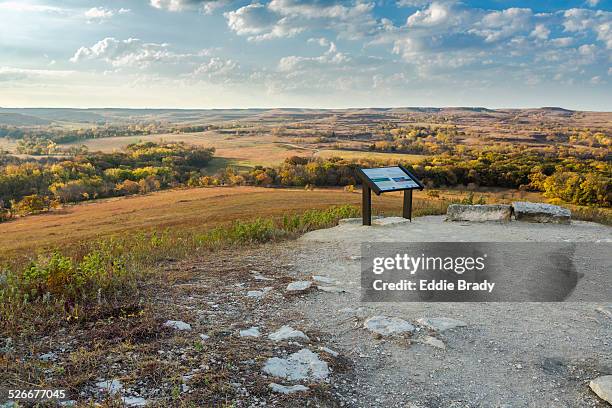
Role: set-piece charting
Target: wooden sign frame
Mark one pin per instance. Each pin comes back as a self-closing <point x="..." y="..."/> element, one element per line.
<point x="368" y="186"/>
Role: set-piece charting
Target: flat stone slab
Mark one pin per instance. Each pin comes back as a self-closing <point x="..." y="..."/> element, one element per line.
<point x="441" y="324"/>
<point x="286" y="333"/>
<point x="388" y="326"/>
<point x="540" y="212"/>
<point x="303" y="365"/>
<point x="602" y="386"/>
<point x="299" y="286"/>
<point x="479" y="213"/>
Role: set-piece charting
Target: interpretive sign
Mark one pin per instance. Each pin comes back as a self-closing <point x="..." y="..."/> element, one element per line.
<point x="386" y="179"/>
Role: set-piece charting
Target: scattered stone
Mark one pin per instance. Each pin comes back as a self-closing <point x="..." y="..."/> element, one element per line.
<point x="67" y="403"/>
<point x="51" y="356"/>
<point x="329" y="351"/>
<point x="432" y="341"/>
<point x="387" y="326"/>
<point x="322" y="279"/>
<point x="602" y="386"/>
<point x="441" y="324"/>
<point x="540" y="212"/>
<point x="303" y="365"/>
<point x="252" y="332"/>
<point x="331" y="289"/>
<point x="299" y="286"/>
<point x="110" y="386"/>
<point x="204" y="337"/>
<point x="134" y="401"/>
<point x="177" y="325"/>
<point x="284" y="389"/>
<point x="258" y="294"/>
<point x="479" y="213"/>
<point x="605" y="310"/>
<point x="287" y="332"/>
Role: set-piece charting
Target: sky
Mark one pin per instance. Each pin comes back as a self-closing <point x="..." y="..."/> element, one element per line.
<point x="306" y="53"/>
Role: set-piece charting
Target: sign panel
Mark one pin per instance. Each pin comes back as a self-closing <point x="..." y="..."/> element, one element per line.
<point x="391" y="179"/>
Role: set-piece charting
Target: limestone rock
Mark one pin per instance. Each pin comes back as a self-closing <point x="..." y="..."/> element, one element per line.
<point x="258" y="294"/>
<point x="540" y="212"/>
<point x="387" y="326"/>
<point x="299" y="286"/>
<point x="252" y="332"/>
<point x="479" y="213"/>
<point x="287" y="332"/>
<point x="602" y="386"/>
<point x="177" y="325"/>
<point x="110" y="386"/>
<point x="432" y="341"/>
<point x="134" y="401"/>
<point x="286" y="389"/>
<point x="322" y="279"/>
<point x="441" y="324"/>
<point x="303" y="365"/>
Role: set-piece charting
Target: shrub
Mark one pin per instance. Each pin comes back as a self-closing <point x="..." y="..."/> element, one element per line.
<point x="32" y="204"/>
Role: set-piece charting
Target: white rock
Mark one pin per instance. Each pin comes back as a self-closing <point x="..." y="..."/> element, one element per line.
<point x="303" y="365"/>
<point x="258" y="276"/>
<point x="177" y="325"/>
<point x="441" y="324"/>
<point x="204" y="337"/>
<point x="602" y="386"/>
<point x="298" y="286"/>
<point x="540" y="212"/>
<point x="432" y="341"/>
<point x="329" y="351"/>
<point x="387" y="326"/>
<point x="322" y="279"/>
<point x="284" y="389"/>
<point x="479" y="213"/>
<point x="287" y="332"/>
<point x="110" y="386"/>
<point x="134" y="401"/>
<point x="252" y="332"/>
<point x="259" y="293"/>
<point x="51" y="356"/>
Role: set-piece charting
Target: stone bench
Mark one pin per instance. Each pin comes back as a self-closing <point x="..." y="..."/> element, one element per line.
<point x="540" y="212"/>
<point x="479" y="213"/>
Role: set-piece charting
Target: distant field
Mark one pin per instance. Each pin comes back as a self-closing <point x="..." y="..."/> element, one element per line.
<point x="7" y="144"/>
<point x="351" y="154"/>
<point x="242" y="151"/>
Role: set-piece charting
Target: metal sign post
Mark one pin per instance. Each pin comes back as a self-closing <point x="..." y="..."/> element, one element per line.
<point x="385" y="179"/>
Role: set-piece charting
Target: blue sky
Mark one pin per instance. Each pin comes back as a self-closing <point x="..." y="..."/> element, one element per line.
<point x="306" y="53"/>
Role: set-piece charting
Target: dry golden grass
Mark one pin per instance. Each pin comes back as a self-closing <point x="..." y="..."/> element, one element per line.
<point x="200" y="208"/>
<point x="246" y="150"/>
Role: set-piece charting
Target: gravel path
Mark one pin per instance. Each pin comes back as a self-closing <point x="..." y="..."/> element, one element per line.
<point x="509" y="355"/>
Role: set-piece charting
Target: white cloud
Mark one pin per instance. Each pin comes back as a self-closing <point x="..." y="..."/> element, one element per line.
<point x="503" y="24"/>
<point x="540" y="31"/>
<point x="435" y="15"/>
<point x="330" y="57"/>
<point x="286" y="18"/>
<point x="592" y="3"/>
<point x="25" y="6"/>
<point x="101" y="13"/>
<point x="207" y="6"/>
<point x="17" y="74"/>
<point x="118" y="53"/>
<point x="583" y="20"/>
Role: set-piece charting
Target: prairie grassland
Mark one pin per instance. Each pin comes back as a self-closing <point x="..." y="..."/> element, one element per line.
<point x="354" y="154"/>
<point x="242" y="151"/>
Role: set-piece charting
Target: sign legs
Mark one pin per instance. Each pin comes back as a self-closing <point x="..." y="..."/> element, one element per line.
<point x="366" y="204"/>
<point x="407" y="210"/>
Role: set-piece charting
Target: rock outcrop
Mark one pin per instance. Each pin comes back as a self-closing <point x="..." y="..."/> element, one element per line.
<point x="540" y="212"/>
<point x="479" y="213"/>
